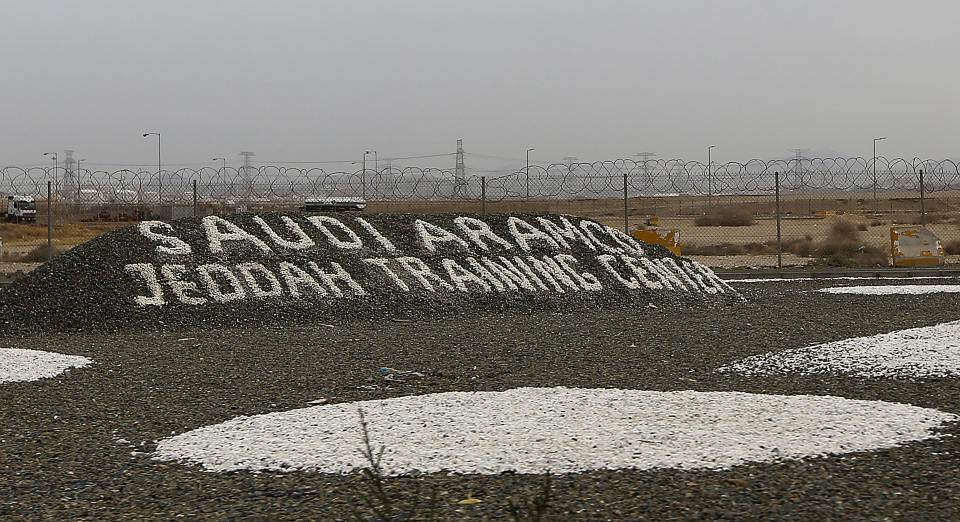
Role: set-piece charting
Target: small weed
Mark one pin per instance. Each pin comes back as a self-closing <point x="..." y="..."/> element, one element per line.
<point x="862" y="227"/>
<point x="533" y="509"/>
<point x="952" y="247"/>
<point x="376" y="498"/>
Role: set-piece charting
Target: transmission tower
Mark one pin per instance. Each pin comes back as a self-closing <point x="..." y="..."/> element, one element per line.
<point x="460" y="172"/>
<point x="247" y="178"/>
<point x="798" y="159"/>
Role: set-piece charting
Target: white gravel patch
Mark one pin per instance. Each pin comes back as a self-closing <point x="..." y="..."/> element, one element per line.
<point x="930" y="351"/>
<point x="848" y="278"/>
<point x="17" y="364"/>
<point x="892" y="289"/>
<point x="562" y="430"/>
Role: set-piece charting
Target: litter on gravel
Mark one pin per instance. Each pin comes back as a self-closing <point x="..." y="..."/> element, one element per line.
<point x="930" y="351"/>
<point x="892" y="289"/>
<point x="17" y="364"/>
<point x="561" y="430"/>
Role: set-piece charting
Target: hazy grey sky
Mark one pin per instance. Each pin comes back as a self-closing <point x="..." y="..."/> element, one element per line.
<point x="324" y="80"/>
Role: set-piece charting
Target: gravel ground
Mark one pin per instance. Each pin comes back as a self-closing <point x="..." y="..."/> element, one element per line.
<point x="78" y="446"/>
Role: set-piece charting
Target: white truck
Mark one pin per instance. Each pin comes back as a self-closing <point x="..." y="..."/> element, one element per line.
<point x="21" y="209"/>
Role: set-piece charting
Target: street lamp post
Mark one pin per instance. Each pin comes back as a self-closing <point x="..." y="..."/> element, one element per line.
<point x="527" y="172"/>
<point x="78" y="178"/>
<point x="159" y="169"/>
<point x="55" y="165"/>
<point x="875" y="208"/>
<point x="710" y="177"/>
<point x="223" y="171"/>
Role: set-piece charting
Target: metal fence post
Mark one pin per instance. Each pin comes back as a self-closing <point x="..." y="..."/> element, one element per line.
<point x="194" y="198"/>
<point x="626" y="212"/>
<point x="923" y="205"/>
<point x="776" y="178"/>
<point x="483" y="195"/>
<point x="49" y="222"/>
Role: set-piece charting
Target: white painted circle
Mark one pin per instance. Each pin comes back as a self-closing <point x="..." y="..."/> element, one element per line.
<point x="17" y="364"/>
<point x="892" y="289"/>
<point x="929" y="351"/>
<point x="562" y="430"/>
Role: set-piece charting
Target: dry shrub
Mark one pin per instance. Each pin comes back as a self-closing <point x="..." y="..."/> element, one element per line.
<point x="876" y="223"/>
<point x="725" y="217"/>
<point x="847" y="255"/>
<point x="843" y="231"/>
<point x="862" y="227"/>
<point x="801" y="247"/>
<point x="952" y="247"/>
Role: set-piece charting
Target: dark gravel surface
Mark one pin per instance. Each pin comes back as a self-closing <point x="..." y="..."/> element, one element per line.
<point x="60" y="457"/>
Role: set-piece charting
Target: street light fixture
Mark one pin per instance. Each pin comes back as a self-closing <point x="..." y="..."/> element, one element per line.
<point x="159" y="169"/>
<point x="875" y="140"/>
<point x="527" y="172"/>
<point x="710" y="177"/>
<point x="55" y="165"/>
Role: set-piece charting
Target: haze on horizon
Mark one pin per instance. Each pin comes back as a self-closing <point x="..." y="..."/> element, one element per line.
<point x="299" y="81"/>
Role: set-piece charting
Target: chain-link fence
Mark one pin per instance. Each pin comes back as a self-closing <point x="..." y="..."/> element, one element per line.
<point x="725" y="214"/>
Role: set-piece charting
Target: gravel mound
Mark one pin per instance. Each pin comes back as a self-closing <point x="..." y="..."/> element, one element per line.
<point x="295" y="268"/>
<point x="560" y="430"/>
<point x="893" y="289"/>
<point x="930" y="351"/>
<point x="18" y="364"/>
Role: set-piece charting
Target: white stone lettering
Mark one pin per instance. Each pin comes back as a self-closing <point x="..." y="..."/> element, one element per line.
<point x="526" y="270"/>
<point x="383" y="264"/>
<point x="509" y="274"/>
<point x="148" y="274"/>
<point x="422" y="273"/>
<point x="353" y="241"/>
<point x="173" y="275"/>
<point x="711" y="277"/>
<point x="338" y="274"/>
<point x="207" y="274"/>
<point x="607" y="261"/>
<point x="488" y="276"/>
<point x="626" y="242"/>
<point x="586" y="225"/>
<point x="250" y="270"/>
<point x="569" y="231"/>
<point x="586" y="280"/>
<point x="171" y="244"/>
<point x="461" y="276"/>
<point x="636" y="266"/>
<point x="377" y="236"/>
<point x="296" y="277"/>
<point x="529" y="234"/>
<point x="476" y="230"/>
<point x="671" y="266"/>
<point x="219" y="230"/>
<point x="666" y="277"/>
<point x="553" y="273"/>
<point x="431" y="234"/>
<point x="302" y="242"/>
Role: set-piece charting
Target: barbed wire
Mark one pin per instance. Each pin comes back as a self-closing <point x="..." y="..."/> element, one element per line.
<point x="587" y="180"/>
